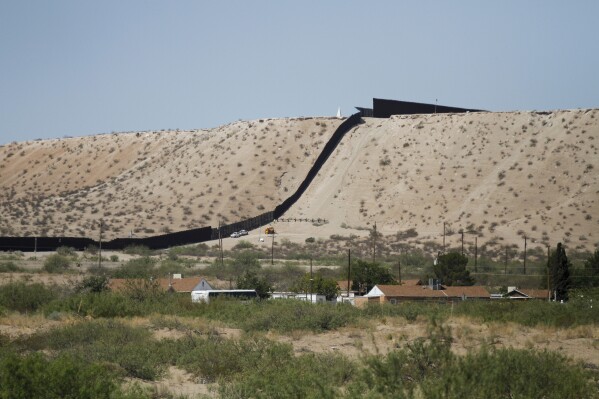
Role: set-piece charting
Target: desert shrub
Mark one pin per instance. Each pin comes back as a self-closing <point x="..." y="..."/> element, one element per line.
<point x="93" y="284"/>
<point x="532" y="313"/>
<point x="66" y="251"/>
<point x="131" y="348"/>
<point x="91" y="250"/>
<point x="135" y="268"/>
<point x="56" y="263"/>
<point x="34" y="376"/>
<point x="243" y="244"/>
<point x="310" y="240"/>
<point x="289" y="315"/>
<point x="9" y="267"/>
<point x="22" y="297"/>
<point x="124" y="304"/>
<point x="305" y="376"/>
<point x="114" y="258"/>
<point x="511" y="373"/>
<point x="408" y="310"/>
<point x="140" y="250"/>
<point x="191" y="250"/>
<point x="215" y="358"/>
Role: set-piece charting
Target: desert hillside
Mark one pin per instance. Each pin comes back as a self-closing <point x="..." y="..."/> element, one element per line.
<point x="498" y="176"/>
<point x="155" y="182"/>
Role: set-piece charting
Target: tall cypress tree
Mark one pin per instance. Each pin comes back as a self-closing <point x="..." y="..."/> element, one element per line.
<point x="559" y="269"/>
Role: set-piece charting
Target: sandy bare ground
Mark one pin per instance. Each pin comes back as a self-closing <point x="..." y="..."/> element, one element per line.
<point x="501" y="175"/>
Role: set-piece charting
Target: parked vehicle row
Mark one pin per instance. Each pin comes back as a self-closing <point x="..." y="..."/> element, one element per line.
<point x="237" y="234"/>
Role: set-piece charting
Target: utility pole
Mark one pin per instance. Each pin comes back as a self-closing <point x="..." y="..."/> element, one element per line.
<point x="399" y="270"/>
<point x="462" y="232"/>
<point x="443" y="237"/>
<point x="311" y="279"/>
<point x="524" y="254"/>
<point x="374" y="245"/>
<point x="272" y="250"/>
<point x="548" y="271"/>
<point x="220" y="245"/>
<point x="348" y="271"/>
<point x="35" y="247"/>
<point x="505" y="266"/>
<point x="100" y="252"/>
<point x="475" y="253"/>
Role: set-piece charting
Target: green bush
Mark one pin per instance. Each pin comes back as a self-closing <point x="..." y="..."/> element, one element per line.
<point x="22" y="297"/>
<point x="509" y="373"/>
<point x="135" y="268"/>
<point x="427" y="368"/>
<point x="33" y="376"/>
<point x="191" y="250"/>
<point x="141" y="250"/>
<point x="9" y="267"/>
<point x="66" y="251"/>
<point x="56" y="263"/>
<point x="131" y="348"/>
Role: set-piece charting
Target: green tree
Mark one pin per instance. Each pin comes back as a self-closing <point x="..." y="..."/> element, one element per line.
<point x="251" y="281"/>
<point x="451" y="269"/>
<point x="93" y="284"/>
<point x="245" y="261"/>
<point x="366" y="275"/>
<point x="559" y="271"/>
<point x="320" y="285"/>
<point x="591" y="270"/>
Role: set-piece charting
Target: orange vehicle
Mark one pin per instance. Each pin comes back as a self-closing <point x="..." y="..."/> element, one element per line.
<point x="269" y="230"/>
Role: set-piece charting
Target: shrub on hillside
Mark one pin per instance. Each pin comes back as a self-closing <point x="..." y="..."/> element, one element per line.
<point x="9" y="267"/>
<point x="56" y="263"/>
<point x="23" y="297"/>
<point x="34" y="376"/>
<point x="135" y="268"/>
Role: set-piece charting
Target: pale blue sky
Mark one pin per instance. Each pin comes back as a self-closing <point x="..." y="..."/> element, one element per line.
<point x="85" y="67"/>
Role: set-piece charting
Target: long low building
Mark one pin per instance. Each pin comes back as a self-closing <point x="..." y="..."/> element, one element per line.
<point x="400" y="293"/>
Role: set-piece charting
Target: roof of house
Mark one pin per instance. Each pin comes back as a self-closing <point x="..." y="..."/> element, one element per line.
<point x="534" y="293"/>
<point x="342" y="284"/>
<point x="422" y="291"/>
<point x="178" y="284"/>
<point x="411" y="282"/>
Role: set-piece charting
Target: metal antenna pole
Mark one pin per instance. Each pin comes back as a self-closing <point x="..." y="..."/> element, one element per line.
<point x="399" y="270"/>
<point x="374" y="245"/>
<point x="348" y="271"/>
<point x="475" y="253"/>
<point x="443" y="237"/>
<point x="272" y="250"/>
<point x="311" y="279"/>
<point x="220" y="245"/>
<point x="100" y="252"/>
<point x="524" y="254"/>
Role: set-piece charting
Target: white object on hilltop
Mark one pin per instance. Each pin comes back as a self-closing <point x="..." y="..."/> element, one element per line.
<point x="339" y="112"/>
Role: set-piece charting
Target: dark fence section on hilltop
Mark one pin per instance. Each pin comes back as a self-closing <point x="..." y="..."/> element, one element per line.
<point x="328" y="149"/>
<point x="386" y="108"/>
<point x="29" y="244"/>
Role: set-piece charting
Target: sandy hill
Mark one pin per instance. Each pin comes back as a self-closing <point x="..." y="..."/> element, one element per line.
<point x="497" y="175"/>
<point x="155" y="182"/>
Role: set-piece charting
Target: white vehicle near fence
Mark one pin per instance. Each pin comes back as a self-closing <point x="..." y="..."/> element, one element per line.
<point x="207" y="295"/>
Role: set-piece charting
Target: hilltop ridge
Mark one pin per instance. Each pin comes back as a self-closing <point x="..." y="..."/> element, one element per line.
<point x="497" y="175"/>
